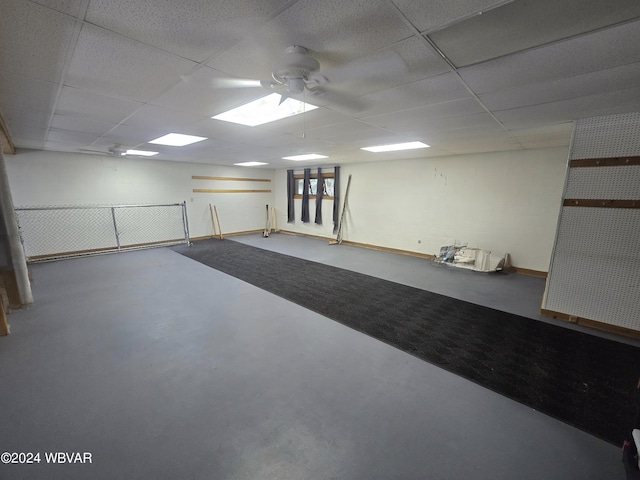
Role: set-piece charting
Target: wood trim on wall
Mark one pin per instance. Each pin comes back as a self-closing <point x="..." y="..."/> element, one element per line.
<point x="604" y="162"/>
<point x="113" y="249"/>
<point x="232" y="179"/>
<point x="4" y="326"/>
<point x="531" y="273"/>
<point x="222" y="190"/>
<point x="586" y="322"/>
<point x="226" y="234"/>
<point x="523" y="271"/>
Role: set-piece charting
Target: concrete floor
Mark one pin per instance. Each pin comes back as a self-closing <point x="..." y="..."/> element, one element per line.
<point x="163" y="368"/>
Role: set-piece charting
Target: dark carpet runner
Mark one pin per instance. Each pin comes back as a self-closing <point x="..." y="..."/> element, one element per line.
<point x="586" y="381"/>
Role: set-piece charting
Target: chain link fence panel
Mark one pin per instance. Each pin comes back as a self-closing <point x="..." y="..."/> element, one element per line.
<point x="52" y="232"/>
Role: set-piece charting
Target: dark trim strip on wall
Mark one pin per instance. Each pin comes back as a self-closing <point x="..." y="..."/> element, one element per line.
<point x="600" y="203"/>
<point x="604" y="162"/>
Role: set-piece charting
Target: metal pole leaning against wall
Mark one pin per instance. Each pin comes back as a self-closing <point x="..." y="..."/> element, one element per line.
<point x="185" y="223"/>
<point x="18" y="259"/>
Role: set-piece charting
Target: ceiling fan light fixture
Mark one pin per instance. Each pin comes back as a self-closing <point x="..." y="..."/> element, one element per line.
<point x="264" y="110"/>
<point x="395" y="147"/>
<point x="295" y="86"/>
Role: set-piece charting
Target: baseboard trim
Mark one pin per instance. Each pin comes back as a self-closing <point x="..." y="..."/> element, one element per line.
<point x="390" y="250"/>
<point x="363" y="245"/>
<point x="224" y="234"/>
<point x="522" y="271"/>
<point x="587" y="322"/>
<point x="528" y="271"/>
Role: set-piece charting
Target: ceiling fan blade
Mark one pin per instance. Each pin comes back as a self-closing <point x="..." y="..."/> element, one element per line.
<point x="383" y="64"/>
<point x="99" y="152"/>
<point x="239" y="83"/>
<point x="337" y="101"/>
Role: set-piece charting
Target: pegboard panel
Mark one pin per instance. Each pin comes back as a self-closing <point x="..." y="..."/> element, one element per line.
<point x="596" y="265"/>
<point x="607" y="136"/>
<point x="608" y="183"/>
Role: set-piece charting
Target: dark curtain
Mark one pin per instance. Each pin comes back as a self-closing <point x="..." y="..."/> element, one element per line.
<point x="305" y="195"/>
<point x="290" y="191"/>
<point x="336" y="199"/>
<point x="319" y="191"/>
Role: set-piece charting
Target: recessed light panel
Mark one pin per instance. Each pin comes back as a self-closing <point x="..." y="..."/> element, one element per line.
<point x="250" y="164"/>
<point x="396" y="146"/>
<point x="142" y="153"/>
<point x="177" y="140"/>
<point x="264" y="110"/>
<point x="307" y="156"/>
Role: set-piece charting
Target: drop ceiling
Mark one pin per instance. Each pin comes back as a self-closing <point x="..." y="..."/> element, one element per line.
<point x="469" y="75"/>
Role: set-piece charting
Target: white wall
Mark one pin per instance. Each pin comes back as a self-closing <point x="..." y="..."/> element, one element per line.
<point x="56" y="178"/>
<point x="502" y="201"/>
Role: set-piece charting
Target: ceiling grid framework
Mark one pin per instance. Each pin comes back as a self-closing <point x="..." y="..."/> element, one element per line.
<point x="464" y="77"/>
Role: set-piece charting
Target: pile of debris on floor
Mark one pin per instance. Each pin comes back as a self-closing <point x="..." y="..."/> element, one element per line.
<point x="473" y="258"/>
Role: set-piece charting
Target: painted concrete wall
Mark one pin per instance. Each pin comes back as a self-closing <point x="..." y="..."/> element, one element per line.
<point x="502" y="201"/>
<point x="54" y="178"/>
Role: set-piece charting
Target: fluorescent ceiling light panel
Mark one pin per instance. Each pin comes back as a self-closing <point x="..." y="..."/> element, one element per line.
<point x="177" y="140"/>
<point x="306" y="156"/>
<point x="142" y="153"/>
<point x="264" y="110"/>
<point x="250" y="164"/>
<point x="396" y="146"/>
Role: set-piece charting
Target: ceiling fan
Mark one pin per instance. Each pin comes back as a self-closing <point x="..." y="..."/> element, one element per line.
<point x="117" y="150"/>
<point x="298" y="72"/>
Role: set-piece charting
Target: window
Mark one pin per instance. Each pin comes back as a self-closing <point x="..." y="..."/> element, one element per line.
<point x="327" y="185"/>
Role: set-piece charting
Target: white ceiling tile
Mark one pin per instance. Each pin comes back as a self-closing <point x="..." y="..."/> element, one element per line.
<point x="601" y="81"/>
<point x="27" y="126"/>
<point x="132" y="135"/>
<point x="35" y="142"/>
<point x="168" y="119"/>
<point x="196" y="93"/>
<point x="20" y="120"/>
<point x="565" y="111"/>
<point x="604" y="49"/>
<point x="69" y="7"/>
<point x="81" y="124"/>
<point x="439" y="13"/>
<point x="26" y="92"/>
<point x="479" y="125"/>
<point x="547" y="136"/>
<point x="438" y="89"/>
<point x="110" y="64"/>
<point x="298" y="124"/>
<point x="76" y="102"/>
<point x="431" y="115"/>
<point x="521" y="25"/>
<point x="407" y="61"/>
<point x="352" y="132"/>
<point x="44" y="36"/>
<point x="71" y="137"/>
<point x="195" y="30"/>
<point x="334" y="30"/>
<point x="134" y="79"/>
